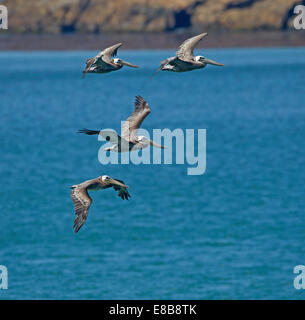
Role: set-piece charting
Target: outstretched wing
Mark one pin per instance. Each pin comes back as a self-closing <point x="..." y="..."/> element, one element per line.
<point x="165" y="62"/>
<point x="114" y="138"/>
<point x="82" y="202"/>
<point x="122" y="192"/>
<point x="89" y="64"/>
<point x="186" y="49"/>
<point x="109" y="53"/>
<point x="134" y="121"/>
<point x="111" y="136"/>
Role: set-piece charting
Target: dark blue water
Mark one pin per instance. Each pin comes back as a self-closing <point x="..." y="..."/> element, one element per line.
<point x="235" y="232"/>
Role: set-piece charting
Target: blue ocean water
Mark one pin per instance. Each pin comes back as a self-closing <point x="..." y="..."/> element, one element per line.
<point x="235" y="232"/>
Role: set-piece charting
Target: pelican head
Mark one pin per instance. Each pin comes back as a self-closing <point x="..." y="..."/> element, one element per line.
<point x="105" y="178"/>
<point x="145" y="141"/>
<point x="108" y="180"/>
<point x="122" y="63"/>
<point x="207" y="61"/>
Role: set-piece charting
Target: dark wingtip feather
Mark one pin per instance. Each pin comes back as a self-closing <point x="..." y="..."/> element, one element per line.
<point x="115" y="52"/>
<point x="88" y="131"/>
<point x="78" y="223"/>
<point x="139" y="101"/>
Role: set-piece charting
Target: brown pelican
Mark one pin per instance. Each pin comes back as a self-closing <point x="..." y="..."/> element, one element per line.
<point x="104" y="62"/>
<point x="129" y="139"/>
<point x="185" y="59"/>
<point x="82" y="200"/>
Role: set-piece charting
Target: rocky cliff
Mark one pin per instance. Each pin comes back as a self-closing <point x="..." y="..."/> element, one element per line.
<point x="96" y="16"/>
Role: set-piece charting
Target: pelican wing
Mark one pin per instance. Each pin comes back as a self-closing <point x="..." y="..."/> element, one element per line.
<point x="122" y="192"/>
<point x="182" y="63"/>
<point x="110" y="136"/>
<point x="89" y="64"/>
<point x="82" y="202"/>
<point x="165" y="62"/>
<point x="111" y="51"/>
<point x="114" y="138"/>
<point x="107" y="54"/>
<point x="99" y="61"/>
<point x="134" y="121"/>
<point x="186" y="49"/>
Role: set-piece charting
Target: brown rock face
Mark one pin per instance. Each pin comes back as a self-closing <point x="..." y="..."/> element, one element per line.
<point x="95" y="16"/>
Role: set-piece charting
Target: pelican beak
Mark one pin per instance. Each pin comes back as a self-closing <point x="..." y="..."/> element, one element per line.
<point x="154" y="144"/>
<point x="208" y="61"/>
<point x="118" y="183"/>
<point x="128" y="64"/>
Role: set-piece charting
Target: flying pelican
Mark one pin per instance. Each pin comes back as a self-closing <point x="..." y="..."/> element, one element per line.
<point x="104" y="62"/>
<point x="129" y="139"/>
<point x="82" y="200"/>
<point x="185" y="59"/>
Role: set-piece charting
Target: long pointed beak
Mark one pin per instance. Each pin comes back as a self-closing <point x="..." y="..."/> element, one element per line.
<point x="118" y="183"/>
<point x="128" y="64"/>
<point x="154" y="144"/>
<point x="213" y="62"/>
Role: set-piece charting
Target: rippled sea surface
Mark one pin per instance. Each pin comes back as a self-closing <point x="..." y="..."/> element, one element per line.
<point x="235" y="232"/>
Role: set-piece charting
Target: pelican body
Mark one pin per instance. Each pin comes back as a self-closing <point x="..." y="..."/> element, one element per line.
<point x="82" y="200"/>
<point x="185" y="59"/>
<point x="104" y="62"/>
<point x="129" y="139"/>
